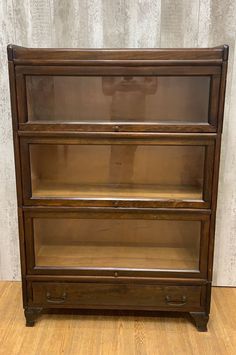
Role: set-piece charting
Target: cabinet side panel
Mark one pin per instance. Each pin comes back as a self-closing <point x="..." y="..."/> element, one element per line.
<point x="18" y="176"/>
<point x="221" y="103"/>
<point x="14" y="112"/>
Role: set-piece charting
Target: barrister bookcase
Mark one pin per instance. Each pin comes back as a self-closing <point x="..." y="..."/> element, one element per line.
<point x="117" y="158"/>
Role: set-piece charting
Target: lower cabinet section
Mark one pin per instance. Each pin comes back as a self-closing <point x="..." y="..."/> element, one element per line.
<point x="44" y="295"/>
<point x="117" y="259"/>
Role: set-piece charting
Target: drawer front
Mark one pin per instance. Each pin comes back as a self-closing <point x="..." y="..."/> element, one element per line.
<point x="116" y="171"/>
<point x="124" y="99"/>
<point x="123" y="296"/>
<point x="117" y="242"/>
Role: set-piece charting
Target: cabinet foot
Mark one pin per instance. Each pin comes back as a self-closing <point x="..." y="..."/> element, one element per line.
<point x="31" y="314"/>
<point x="200" y="319"/>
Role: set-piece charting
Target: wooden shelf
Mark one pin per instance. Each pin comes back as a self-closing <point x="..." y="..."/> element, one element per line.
<point x="83" y="255"/>
<point x="51" y="189"/>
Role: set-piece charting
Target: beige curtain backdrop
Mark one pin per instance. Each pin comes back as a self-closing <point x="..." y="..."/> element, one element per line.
<point x="113" y="24"/>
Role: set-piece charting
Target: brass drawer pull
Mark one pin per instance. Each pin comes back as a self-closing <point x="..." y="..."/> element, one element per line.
<point x="176" y="303"/>
<point x="58" y="300"/>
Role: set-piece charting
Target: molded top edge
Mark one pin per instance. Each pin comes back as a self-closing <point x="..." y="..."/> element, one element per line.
<point x="24" y="54"/>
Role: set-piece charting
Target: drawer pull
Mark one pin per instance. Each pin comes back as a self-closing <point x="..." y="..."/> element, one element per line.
<point x="176" y="303"/>
<point x="58" y="300"/>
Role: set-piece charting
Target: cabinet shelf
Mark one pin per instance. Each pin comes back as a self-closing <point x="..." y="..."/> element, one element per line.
<point x="123" y="191"/>
<point x="107" y="256"/>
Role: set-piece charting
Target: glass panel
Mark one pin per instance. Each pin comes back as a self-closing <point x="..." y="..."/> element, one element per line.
<point x="117" y="243"/>
<point x="120" y="99"/>
<point x="120" y="171"/>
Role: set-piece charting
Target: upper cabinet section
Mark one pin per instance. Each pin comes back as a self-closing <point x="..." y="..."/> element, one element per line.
<point x="119" y="90"/>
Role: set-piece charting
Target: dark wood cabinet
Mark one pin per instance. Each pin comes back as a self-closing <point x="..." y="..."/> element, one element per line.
<point x="117" y="158"/>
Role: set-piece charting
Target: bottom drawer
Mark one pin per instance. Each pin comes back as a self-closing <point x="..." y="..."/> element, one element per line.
<point x="117" y="296"/>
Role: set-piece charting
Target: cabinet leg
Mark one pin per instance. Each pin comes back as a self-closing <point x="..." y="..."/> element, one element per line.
<point x="200" y="320"/>
<point x="31" y="314"/>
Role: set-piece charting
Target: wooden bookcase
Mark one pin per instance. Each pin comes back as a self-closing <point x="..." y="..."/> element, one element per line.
<point x="117" y="159"/>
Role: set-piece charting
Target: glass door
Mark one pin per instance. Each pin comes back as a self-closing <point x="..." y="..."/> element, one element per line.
<point x="118" y="171"/>
<point x="118" y="240"/>
<point x="119" y="98"/>
<point x="130" y="99"/>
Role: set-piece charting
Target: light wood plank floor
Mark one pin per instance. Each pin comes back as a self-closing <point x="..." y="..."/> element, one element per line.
<point x="110" y="335"/>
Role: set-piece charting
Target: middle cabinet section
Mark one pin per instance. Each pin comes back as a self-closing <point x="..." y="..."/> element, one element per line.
<point x="118" y="170"/>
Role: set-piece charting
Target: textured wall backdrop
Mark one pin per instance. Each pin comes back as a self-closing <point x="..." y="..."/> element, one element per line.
<point x="120" y="23"/>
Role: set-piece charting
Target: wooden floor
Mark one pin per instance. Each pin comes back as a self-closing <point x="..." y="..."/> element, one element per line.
<point x="121" y="335"/>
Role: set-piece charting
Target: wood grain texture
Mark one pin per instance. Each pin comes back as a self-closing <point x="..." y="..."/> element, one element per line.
<point x="94" y="334"/>
<point x="114" y="24"/>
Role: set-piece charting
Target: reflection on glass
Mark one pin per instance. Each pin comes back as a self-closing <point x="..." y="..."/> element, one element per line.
<point x="128" y="96"/>
<point x="121" y="98"/>
<point x="118" y="243"/>
<point x="120" y="171"/>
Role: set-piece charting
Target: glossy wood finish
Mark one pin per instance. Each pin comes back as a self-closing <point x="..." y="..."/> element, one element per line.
<point x="173" y="182"/>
